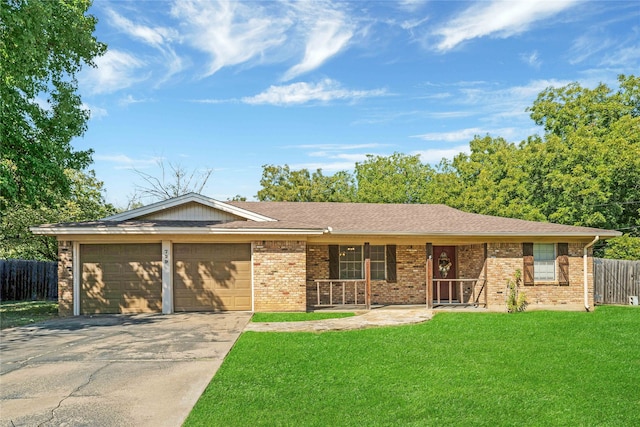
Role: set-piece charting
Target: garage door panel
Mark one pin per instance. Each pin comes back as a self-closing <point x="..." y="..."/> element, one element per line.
<point x="209" y="277"/>
<point x="121" y="278"/>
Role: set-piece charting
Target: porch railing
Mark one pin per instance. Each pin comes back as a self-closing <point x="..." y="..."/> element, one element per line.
<point x="340" y="292"/>
<point x="467" y="292"/>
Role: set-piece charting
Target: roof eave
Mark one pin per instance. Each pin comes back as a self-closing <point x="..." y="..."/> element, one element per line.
<point x="61" y="231"/>
<point x="601" y="233"/>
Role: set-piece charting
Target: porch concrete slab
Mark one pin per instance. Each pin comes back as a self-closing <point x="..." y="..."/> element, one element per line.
<point x="112" y="370"/>
<point x="385" y="316"/>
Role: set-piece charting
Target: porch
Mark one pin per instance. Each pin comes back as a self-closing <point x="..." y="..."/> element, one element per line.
<point x="352" y="294"/>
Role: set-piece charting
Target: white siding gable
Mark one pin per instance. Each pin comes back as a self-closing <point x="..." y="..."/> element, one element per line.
<point x="192" y="212"/>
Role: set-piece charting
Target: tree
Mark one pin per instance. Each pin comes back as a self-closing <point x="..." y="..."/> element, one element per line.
<point x="85" y="202"/>
<point x="623" y="247"/>
<point x="490" y="180"/>
<point x="280" y="183"/>
<point x="43" y="45"/>
<point x="399" y="178"/>
<point x="174" y="180"/>
<point x="586" y="168"/>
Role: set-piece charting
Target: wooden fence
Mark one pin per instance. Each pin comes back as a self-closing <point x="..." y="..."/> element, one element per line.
<point x="28" y="280"/>
<point x="615" y="280"/>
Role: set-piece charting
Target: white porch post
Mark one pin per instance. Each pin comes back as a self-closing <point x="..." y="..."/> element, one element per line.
<point x="167" y="277"/>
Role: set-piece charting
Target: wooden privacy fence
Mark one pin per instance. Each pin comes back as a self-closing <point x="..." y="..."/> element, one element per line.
<point x="615" y="280"/>
<point x="28" y="280"/>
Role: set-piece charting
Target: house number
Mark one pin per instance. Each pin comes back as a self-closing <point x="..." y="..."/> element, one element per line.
<point x="166" y="256"/>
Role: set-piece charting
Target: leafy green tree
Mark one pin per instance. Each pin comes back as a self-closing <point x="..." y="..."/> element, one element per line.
<point x="490" y="180"/>
<point x="280" y="183"/>
<point x="399" y="178"/>
<point x="85" y="202"/>
<point x="623" y="247"/>
<point x="586" y="168"/>
<point x="43" y="45"/>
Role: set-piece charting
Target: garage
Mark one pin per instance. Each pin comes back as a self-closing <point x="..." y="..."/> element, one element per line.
<point x="120" y="278"/>
<point x="212" y="277"/>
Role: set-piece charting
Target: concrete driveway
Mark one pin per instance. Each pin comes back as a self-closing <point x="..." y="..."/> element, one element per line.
<point x="112" y="370"/>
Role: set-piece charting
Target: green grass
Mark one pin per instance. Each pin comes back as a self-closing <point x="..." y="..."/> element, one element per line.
<point x="19" y="313"/>
<point x="532" y="368"/>
<point x="297" y="317"/>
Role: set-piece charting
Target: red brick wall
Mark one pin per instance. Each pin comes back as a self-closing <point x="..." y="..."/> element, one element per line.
<point x="409" y="289"/>
<point x="505" y="259"/>
<point x="279" y="273"/>
<point x="65" y="278"/>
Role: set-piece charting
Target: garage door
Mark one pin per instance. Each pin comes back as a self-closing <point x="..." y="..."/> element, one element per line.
<point x="210" y="277"/>
<point x="121" y="278"/>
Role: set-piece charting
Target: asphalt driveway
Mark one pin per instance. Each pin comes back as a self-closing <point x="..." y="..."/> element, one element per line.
<point x="112" y="370"/>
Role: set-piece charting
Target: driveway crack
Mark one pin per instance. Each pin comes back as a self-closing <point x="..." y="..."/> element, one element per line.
<point x="77" y="389"/>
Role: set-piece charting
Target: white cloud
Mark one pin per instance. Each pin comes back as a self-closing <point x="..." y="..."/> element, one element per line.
<point x="230" y="32"/>
<point x="114" y="70"/>
<point x="499" y="18"/>
<point x="130" y="99"/>
<point x="158" y="37"/>
<point x="95" y="112"/>
<point x="336" y="147"/>
<point x="327" y="33"/>
<point x="627" y="57"/>
<point x="434" y="155"/>
<point x="413" y="23"/>
<point x="586" y="46"/>
<point x="300" y="93"/>
<point x="532" y="59"/>
<point x="511" y="102"/>
<point x="154" y="36"/>
<point x="465" y="134"/>
<point x="411" y="5"/>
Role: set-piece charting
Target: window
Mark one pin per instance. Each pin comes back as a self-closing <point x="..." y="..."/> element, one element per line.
<point x="544" y="261"/>
<point x="377" y="262"/>
<point x="352" y="262"/>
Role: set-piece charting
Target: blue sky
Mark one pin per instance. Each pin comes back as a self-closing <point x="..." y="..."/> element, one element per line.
<point x="232" y="86"/>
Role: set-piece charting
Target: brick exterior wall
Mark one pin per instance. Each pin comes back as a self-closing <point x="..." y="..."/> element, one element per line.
<point x="279" y="273"/>
<point x="65" y="278"/>
<point x="505" y="258"/>
<point x="410" y="287"/>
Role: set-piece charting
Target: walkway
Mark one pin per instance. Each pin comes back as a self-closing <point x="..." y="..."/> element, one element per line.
<point x="385" y="316"/>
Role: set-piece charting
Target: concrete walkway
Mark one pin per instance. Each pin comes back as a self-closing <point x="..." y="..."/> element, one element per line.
<point x="385" y="316"/>
<point x="112" y="370"/>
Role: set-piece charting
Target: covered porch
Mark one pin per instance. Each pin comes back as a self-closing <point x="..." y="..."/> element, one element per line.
<point x="427" y="275"/>
<point x="446" y="292"/>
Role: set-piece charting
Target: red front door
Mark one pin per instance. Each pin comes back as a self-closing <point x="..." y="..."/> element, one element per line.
<point x="444" y="274"/>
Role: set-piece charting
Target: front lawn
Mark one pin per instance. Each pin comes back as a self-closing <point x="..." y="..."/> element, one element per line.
<point x="19" y="313"/>
<point x="533" y="368"/>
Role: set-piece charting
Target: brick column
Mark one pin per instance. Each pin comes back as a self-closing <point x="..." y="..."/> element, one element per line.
<point x="279" y="276"/>
<point x="65" y="278"/>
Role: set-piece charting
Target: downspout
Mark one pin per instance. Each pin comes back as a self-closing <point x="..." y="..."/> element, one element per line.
<point x="586" y="285"/>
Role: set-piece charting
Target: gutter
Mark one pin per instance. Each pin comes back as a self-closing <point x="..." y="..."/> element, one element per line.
<point x="61" y="231"/>
<point x="584" y="268"/>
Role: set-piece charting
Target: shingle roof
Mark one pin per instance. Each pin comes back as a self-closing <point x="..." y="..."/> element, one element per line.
<point x="338" y="218"/>
<point x="371" y="218"/>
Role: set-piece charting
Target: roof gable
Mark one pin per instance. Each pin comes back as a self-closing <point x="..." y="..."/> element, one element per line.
<point x="190" y="206"/>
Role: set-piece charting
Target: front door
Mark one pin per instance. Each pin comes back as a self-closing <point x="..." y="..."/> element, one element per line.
<point x="444" y="274"/>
